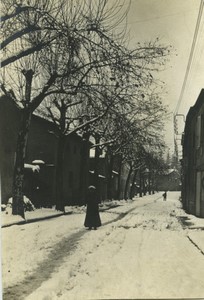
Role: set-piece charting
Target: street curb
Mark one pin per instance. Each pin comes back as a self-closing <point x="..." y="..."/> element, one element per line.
<point x="23" y="222"/>
<point x="35" y="219"/>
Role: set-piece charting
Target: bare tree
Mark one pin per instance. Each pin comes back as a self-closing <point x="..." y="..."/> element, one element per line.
<point x="82" y="37"/>
<point x="127" y="132"/>
<point x="33" y="32"/>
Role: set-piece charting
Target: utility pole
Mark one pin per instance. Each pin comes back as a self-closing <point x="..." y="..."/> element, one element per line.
<point x="177" y="137"/>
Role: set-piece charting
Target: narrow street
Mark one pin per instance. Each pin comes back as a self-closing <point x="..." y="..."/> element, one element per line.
<point x="102" y="149"/>
<point x="143" y="250"/>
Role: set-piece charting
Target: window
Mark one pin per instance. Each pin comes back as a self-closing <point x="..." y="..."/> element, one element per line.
<point x="198" y="132"/>
<point x="71" y="179"/>
<point x="202" y="130"/>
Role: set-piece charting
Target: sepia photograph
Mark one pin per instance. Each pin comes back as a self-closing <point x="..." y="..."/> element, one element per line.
<point x="102" y="149"/>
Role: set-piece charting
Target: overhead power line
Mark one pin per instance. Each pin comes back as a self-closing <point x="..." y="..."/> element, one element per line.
<point x="191" y="55"/>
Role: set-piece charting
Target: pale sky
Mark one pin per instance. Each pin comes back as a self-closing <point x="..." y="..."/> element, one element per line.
<point x="174" y="22"/>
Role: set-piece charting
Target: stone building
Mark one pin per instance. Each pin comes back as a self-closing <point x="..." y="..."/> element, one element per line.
<point x="193" y="159"/>
<point x="42" y="151"/>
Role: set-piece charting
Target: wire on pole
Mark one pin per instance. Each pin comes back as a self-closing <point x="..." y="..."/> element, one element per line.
<point x="191" y="55"/>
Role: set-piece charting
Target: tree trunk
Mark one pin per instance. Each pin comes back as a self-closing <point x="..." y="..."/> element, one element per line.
<point x="153" y="184"/>
<point x="96" y="168"/>
<point x="109" y="177"/>
<point x="127" y="183"/>
<point x="84" y="169"/>
<point x="18" y="175"/>
<point x="96" y="163"/>
<point x="141" y="183"/>
<point x="149" y="183"/>
<point x="133" y="185"/>
<point x="60" y="174"/>
<point x="119" y="179"/>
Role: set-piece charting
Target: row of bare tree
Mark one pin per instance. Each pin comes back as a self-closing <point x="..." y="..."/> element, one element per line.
<point x="67" y="60"/>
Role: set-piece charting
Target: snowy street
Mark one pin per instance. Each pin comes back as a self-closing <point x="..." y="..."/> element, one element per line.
<point x="144" y="249"/>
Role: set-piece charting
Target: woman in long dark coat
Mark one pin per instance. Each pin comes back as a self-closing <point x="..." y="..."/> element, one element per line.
<point x="92" y="218"/>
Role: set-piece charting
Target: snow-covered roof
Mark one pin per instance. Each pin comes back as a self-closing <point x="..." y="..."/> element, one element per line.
<point x="170" y="171"/>
<point x="33" y="168"/>
<point x="38" y="162"/>
<point x="101" y="176"/>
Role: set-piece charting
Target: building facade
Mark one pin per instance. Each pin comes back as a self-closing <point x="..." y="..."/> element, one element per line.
<point x="170" y="180"/>
<point x="42" y="145"/>
<point x="41" y="161"/>
<point x="193" y="159"/>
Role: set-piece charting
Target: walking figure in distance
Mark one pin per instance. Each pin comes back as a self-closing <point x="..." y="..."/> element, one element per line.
<point x="92" y="219"/>
<point x="164" y="196"/>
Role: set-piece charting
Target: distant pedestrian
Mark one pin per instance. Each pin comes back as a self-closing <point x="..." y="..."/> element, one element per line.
<point x="92" y="219"/>
<point x="164" y="196"/>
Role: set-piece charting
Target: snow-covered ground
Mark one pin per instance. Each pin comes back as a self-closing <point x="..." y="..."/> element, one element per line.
<point x="142" y="251"/>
